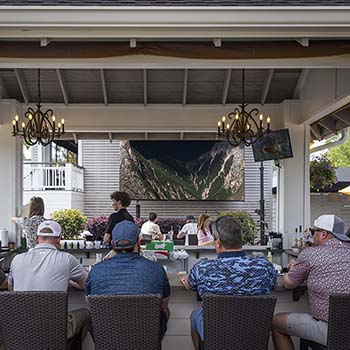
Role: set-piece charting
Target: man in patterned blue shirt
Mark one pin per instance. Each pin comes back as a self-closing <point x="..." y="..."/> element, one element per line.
<point x="232" y="273"/>
<point x="129" y="273"/>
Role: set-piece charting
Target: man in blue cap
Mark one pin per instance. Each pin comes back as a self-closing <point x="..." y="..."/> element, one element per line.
<point x="129" y="273"/>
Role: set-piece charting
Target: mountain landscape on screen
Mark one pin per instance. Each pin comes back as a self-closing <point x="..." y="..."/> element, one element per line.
<point x="182" y="170"/>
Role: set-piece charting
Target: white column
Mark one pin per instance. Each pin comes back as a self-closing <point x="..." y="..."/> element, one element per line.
<point x="294" y="186"/>
<point x="11" y="180"/>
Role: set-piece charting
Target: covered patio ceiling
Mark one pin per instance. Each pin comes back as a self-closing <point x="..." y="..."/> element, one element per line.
<point x="165" y="86"/>
<point x="151" y="86"/>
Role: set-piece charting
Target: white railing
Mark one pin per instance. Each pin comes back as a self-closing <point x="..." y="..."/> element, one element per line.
<point x="45" y="177"/>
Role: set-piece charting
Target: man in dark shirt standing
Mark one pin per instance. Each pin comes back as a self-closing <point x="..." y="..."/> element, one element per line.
<point x="128" y="272"/>
<point x="120" y="201"/>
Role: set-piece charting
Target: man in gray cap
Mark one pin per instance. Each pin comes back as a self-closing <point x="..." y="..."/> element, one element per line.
<point x="45" y="268"/>
<point x="326" y="268"/>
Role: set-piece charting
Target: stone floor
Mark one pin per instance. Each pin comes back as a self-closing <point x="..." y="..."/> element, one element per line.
<point x="182" y="303"/>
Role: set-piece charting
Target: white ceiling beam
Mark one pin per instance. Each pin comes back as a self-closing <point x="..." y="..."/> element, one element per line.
<point x="226" y="88"/>
<point x="44" y="42"/>
<point x="146" y="135"/>
<point x="145" y="87"/>
<point x="217" y="42"/>
<point x="62" y="86"/>
<point x="110" y="137"/>
<point x="329" y="124"/>
<point x="75" y="138"/>
<point x="303" y="42"/>
<point x="114" y="21"/>
<point x="3" y="91"/>
<point x="132" y="43"/>
<point x="184" y="95"/>
<point x="266" y="87"/>
<point x="22" y="85"/>
<point x="156" y="62"/>
<point x="182" y="135"/>
<point x="343" y="115"/>
<point x="300" y="83"/>
<point x="316" y="131"/>
<point x="104" y="87"/>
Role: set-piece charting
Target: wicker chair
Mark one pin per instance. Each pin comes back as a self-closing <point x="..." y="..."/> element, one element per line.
<point x="237" y="322"/>
<point x="125" y="322"/>
<point x="34" y="320"/>
<point x="338" y="326"/>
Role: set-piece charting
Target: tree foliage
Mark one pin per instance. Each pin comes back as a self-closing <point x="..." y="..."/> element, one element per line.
<point x="340" y="155"/>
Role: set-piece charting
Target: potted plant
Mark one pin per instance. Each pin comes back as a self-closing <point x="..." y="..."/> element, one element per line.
<point x="97" y="226"/>
<point x="322" y="173"/>
<point x="72" y="222"/>
<point x="247" y="223"/>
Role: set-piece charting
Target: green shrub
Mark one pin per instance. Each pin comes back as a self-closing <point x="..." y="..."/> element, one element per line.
<point x="72" y="222"/>
<point x="247" y="224"/>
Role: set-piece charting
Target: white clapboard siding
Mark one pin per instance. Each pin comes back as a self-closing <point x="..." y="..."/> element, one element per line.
<point x="330" y="203"/>
<point x="101" y="160"/>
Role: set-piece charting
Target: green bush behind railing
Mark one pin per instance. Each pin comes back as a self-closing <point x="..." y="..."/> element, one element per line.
<point x="72" y="222"/>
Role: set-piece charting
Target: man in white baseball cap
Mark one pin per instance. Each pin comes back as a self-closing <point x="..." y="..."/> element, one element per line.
<point x="45" y="268"/>
<point x="326" y="268"/>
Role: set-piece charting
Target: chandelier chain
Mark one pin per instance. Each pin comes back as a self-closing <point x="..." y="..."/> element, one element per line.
<point x="243" y="94"/>
<point x="39" y="92"/>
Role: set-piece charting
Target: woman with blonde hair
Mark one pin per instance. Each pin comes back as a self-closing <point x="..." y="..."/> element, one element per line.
<point x="204" y="235"/>
<point x="30" y="224"/>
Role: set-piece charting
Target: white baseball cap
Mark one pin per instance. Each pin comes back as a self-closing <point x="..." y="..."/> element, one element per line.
<point x="333" y="224"/>
<point x="53" y="226"/>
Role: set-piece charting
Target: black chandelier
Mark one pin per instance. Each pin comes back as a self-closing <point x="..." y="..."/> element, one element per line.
<point x="240" y="127"/>
<point x="40" y="127"/>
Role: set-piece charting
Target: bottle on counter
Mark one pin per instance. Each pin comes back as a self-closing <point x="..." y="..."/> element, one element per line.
<point x="269" y="256"/>
<point x="295" y="239"/>
<point x="171" y="234"/>
<point x="269" y="243"/>
<point x="23" y="242"/>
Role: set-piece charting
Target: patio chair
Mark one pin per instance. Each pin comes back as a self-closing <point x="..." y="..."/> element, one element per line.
<point x="34" y="320"/>
<point x="338" y="326"/>
<point x="125" y="322"/>
<point x="237" y="322"/>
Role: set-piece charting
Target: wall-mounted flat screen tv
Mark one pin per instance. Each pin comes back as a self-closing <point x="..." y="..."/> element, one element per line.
<point x="272" y="146"/>
<point x="182" y="170"/>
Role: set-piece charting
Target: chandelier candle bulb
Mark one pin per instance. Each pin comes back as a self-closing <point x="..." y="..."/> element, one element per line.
<point x="268" y="123"/>
<point x="62" y="122"/>
<point x="13" y="127"/>
<point x="16" y="119"/>
<point x="219" y="125"/>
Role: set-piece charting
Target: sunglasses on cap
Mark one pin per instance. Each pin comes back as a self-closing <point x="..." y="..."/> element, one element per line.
<point x="314" y="230"/>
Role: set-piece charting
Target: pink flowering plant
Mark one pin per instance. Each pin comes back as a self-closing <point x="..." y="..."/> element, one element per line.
<point x="97" y="226"/>
<point x="322" y="173"/>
